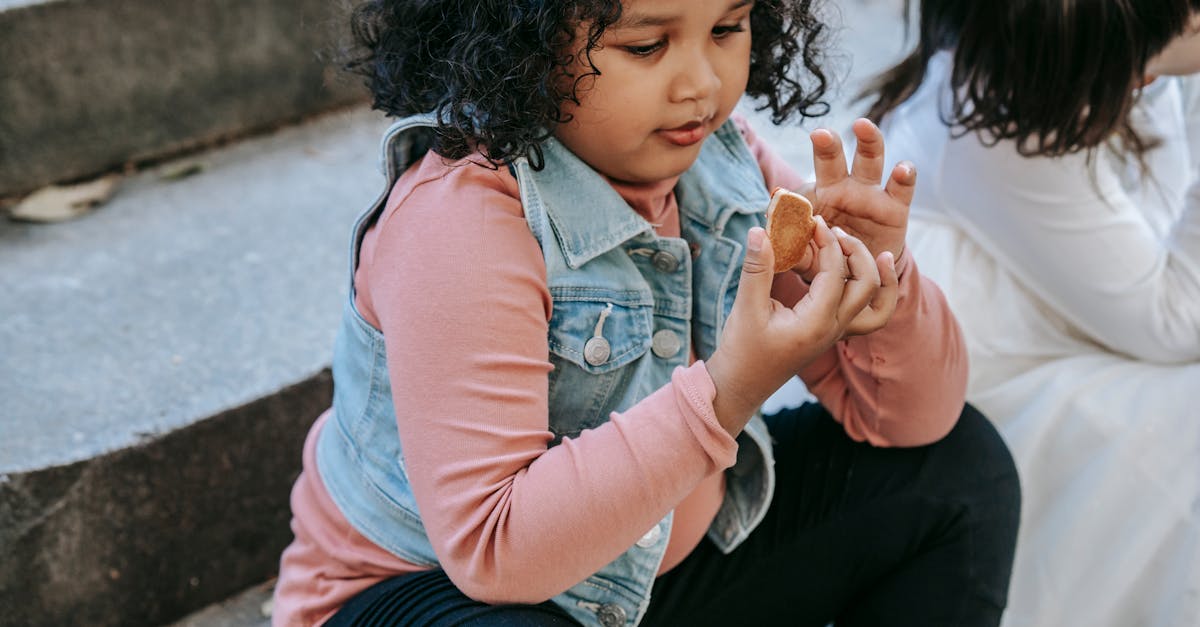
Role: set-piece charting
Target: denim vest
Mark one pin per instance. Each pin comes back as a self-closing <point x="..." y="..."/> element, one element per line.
<point x="627" y="307"/>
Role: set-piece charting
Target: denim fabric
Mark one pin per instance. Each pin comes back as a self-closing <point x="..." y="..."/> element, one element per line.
<point x="611" y="278"/>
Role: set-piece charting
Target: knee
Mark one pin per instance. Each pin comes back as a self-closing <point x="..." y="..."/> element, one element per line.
<point x="977" y="455"/>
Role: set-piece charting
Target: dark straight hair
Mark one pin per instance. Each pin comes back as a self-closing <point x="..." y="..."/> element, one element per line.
<point x="1056" y="76"/>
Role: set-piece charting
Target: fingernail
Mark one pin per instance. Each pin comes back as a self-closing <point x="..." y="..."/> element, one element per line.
<point x="754" y="240"/>
<point x="839" y="231"/>
<point x="889" y="257"/>
<point x="821" y="221"/>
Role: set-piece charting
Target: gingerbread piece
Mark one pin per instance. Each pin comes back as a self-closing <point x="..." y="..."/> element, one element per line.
<point x="790" y="226"/>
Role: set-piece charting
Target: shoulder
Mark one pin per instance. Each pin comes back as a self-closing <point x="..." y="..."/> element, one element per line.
<point x="453" y="234"/>
<point x="458" y="208"/>
<point x="452" y="192"/>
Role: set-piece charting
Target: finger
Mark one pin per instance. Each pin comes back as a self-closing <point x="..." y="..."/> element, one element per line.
<point x="807" y="266"/>
<point x="889" y="285"/>
<point x="864" y="279"/>
<point x="868" y="153"/>
<point x="903" y="182"/>
<point x="880" y="311"/>
<point x="829" y="162"/>
<point x="825" y="290"/>
<point x="758" y="272"/>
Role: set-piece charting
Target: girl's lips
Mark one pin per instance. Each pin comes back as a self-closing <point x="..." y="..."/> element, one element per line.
<point x="685" y="135"/>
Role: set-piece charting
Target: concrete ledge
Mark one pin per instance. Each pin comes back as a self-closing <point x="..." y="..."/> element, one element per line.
<point x="87" y="85"/>
<point x="144" y="535"/>
<point x="161" y="360"/>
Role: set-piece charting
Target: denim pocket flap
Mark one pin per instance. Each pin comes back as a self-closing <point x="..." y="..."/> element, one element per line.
<point x="618" y="327"/>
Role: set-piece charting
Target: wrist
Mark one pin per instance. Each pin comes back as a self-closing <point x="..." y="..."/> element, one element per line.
<point x="730" y="405"/>
<point x="736" y="399"/>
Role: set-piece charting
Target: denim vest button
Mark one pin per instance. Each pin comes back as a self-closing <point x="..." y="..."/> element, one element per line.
<point x="664" y="262"/>
<point x="611" y="615"/>
<point x="597" y="351"/>
<point x="651" y="538"/>
<point x="666" y="344"/>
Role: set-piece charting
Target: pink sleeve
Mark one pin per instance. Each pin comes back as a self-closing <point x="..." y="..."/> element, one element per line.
<point x="903" y="385"/>
<point x="459" y="287"/>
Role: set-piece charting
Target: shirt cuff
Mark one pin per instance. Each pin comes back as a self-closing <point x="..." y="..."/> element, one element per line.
<point x="697" y="392"/>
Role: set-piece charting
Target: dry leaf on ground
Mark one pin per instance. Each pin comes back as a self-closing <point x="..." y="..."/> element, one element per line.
<point x="58" y="203"/>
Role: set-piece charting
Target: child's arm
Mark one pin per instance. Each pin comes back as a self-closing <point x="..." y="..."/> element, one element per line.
<point x="905" y="384"/>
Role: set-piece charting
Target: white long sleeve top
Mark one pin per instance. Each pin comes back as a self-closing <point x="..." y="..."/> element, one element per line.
<point x="1114" y="253"/>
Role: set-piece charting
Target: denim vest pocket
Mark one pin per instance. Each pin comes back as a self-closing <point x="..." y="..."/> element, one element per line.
<point x="587" y="380"/>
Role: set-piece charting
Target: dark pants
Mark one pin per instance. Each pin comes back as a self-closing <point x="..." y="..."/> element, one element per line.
<point x="856" y="535"/>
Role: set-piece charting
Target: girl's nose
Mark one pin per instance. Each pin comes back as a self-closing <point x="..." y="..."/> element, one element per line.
<point x="695" y="79"/>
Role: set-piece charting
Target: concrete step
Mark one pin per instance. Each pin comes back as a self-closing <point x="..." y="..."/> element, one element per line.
<point x="89" y="85"/>
<point x="249" y="608"/>
<point x="161" y="360"/>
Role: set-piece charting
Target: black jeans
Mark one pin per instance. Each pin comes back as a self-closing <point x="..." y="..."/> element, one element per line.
<point x="856" y="535"/>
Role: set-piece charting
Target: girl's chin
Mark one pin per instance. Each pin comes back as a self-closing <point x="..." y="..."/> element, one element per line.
<point x="652" y="170"/>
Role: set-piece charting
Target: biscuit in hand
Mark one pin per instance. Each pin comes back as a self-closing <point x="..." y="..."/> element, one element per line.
<point x="790" y="227"/>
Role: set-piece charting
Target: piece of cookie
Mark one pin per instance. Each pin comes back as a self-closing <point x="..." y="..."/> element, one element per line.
<point x="790" y="226"/>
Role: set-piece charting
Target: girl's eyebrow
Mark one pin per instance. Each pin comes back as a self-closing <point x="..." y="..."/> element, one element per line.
<point x="642" y="20"/>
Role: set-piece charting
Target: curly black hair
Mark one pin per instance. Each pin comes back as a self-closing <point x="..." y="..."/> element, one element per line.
<point x="493" y="70"/>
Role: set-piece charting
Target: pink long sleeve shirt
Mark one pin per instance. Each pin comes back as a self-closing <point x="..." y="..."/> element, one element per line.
<point x="455" y="280"/>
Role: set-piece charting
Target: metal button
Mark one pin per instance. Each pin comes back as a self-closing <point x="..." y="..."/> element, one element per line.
<point x="695" y="248"/>
<point x="611" y="615"/>
<point x="651" y="538"/>
<point x="596" y="351"/>
<point x="664" y="262"/>
<point x="666" y="344"/>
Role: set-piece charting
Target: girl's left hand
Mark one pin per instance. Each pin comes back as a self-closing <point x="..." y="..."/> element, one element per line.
<point x="854" y="200"/>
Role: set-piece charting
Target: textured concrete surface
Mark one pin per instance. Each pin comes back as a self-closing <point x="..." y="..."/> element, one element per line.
<point x="87" y="85"/>
<point x="149" y="533"/>
<point x="249" y="608"/>
<point x="179" y="299"/>
<point x="161" y="360"/>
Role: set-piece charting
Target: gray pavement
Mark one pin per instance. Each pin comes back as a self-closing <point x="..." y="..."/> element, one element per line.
<point x="179" y="299"/>
<point x="160" y="361"/>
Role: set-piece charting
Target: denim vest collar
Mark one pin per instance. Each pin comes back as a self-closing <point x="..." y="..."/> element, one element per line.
<point x="587" y="230"/>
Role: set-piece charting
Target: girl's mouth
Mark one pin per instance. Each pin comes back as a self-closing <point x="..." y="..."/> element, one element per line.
<point x="685" y="135"/>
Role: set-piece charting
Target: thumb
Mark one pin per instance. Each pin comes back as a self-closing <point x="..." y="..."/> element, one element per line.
<point x="758" y="269"/>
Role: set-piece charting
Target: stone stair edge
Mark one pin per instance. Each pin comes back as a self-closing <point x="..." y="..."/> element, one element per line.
<point x="148" y="518"/>
<point x="137" y="80"/>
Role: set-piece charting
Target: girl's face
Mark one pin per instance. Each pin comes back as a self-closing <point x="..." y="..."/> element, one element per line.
<point x="671" y="71"/>
<point x="1182" y="56"/>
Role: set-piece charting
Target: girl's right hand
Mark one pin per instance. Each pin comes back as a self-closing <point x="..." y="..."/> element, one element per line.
<point x="765" y="343"/>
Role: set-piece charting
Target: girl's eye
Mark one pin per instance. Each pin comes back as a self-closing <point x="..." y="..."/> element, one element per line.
<point x="643" y="51"/>
<point x="723" y="31"/>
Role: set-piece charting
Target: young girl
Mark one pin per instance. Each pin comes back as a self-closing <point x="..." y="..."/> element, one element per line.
<point x="1061" y="146"/>
<point x="563" y="320"/>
